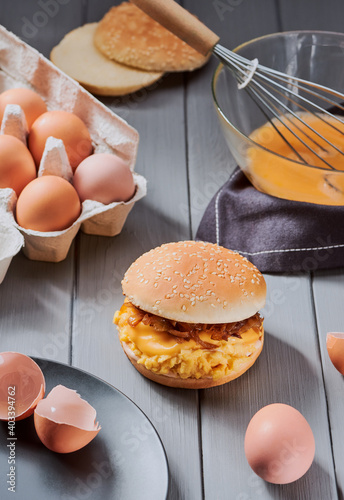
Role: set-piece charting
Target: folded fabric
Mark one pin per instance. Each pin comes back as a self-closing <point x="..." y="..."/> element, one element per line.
<point x="276" y="235"/>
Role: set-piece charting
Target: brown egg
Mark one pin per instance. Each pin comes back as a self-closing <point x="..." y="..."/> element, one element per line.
<point x="64" y="422"/>
<point x="105" y="178"/>
<point x="61" y="125"/>
<point x="48" y="203"/>
<point x="31" y="103"/>
<point x="279" y="444"/>
<point x="17" y="167"/>
<point x="335" y="349"/>
<point x="22" y="385"/>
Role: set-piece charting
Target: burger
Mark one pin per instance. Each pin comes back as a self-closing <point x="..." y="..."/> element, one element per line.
<point x="190" y="317"/>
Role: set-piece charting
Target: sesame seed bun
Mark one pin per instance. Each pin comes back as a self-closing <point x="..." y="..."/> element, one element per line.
<point x="129" y="36"/>
<point x="195" y="282"/>
<point x="190" y="383"/>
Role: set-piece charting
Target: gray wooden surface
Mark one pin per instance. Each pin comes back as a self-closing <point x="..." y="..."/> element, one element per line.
<point x="64" y="311"/>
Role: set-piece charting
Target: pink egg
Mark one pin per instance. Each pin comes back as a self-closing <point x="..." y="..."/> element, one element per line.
<point x="279" y="444"/>
<point x="105" y="178"/>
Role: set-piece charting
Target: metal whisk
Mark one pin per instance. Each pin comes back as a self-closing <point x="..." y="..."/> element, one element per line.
<point x="276" y="94"/>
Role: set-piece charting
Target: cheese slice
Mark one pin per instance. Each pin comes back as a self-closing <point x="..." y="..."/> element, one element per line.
<point x="152" y="342"/>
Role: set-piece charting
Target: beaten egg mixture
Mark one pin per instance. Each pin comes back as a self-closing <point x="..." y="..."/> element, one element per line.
<point x="164" y="354"/>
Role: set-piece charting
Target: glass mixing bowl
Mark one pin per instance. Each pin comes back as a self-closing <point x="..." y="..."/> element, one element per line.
<point x="311" y="55"/>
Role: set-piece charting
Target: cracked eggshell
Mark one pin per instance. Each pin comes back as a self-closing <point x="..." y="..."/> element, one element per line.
<point x="64" y="422"/>
<point x="22" y="385"/>
<point x="335" y="349"/>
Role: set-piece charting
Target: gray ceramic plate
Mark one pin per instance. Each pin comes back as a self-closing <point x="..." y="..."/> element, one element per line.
<point x="126" y="460"/>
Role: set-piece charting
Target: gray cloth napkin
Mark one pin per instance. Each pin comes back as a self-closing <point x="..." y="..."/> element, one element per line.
<point x="274" y="234"/>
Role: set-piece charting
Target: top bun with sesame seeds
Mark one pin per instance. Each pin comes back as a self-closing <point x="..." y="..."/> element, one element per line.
<point x="190" y="316"/>
<point x="129" y="36"/>
<point x="195" y="282"/>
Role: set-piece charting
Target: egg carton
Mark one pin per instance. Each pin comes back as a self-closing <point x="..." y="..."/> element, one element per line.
<point x="23" y="66"/>
<point x="11" y="240"/>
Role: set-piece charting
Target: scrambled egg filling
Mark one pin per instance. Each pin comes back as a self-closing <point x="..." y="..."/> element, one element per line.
<point x="164" y="354"/>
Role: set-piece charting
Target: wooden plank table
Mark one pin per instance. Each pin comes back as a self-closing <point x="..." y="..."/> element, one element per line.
<point x="64" y="311"/>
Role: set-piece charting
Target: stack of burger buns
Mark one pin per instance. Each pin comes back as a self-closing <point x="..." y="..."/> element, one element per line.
<point x="124" y="52"/>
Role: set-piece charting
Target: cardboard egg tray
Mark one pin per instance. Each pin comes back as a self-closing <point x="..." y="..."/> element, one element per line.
<point x="23" y="66"/>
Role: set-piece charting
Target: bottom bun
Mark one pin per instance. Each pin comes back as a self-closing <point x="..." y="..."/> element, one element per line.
<point x="174" y="380"/>
<point x="77" y="56"/>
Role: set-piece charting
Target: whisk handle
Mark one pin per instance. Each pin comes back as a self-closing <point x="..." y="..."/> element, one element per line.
<point x="180" y="22"/>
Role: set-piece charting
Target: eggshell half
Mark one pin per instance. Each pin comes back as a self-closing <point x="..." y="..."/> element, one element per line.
<point x="279" y="444"/>
<point x="335" y="349"/>
<point x="22" y="385"/>
<point x="64" y="422"/>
